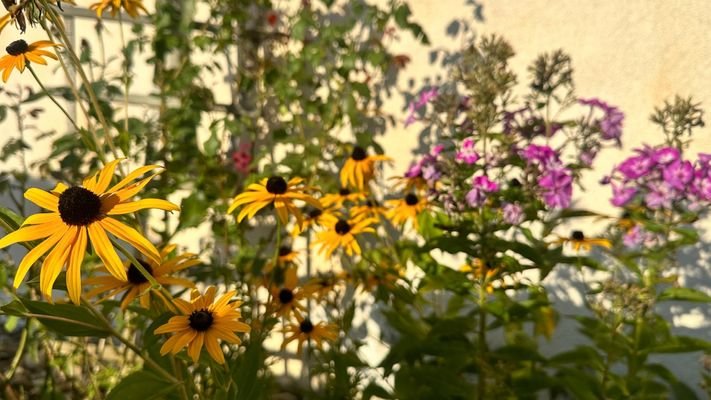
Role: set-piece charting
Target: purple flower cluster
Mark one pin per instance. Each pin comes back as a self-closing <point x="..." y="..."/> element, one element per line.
<point x="466" y="152"/>
<point x="481" y="187"/>
<point x="428" y="167"/>
<point x="526" y="123"/>
<point x="425" y="97"/>
<point x="555" y="180"/>
<point x="660" y="178"/>
<point x="610" y="124"/>
<point x="513" y="213"/>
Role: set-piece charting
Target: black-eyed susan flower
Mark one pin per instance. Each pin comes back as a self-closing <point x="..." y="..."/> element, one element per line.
<point x="287" y="256"/>
<point x="303" y="329"/>
<point x="132" y="7"/>
<point x="276" y="191"/>
<point x="478" y="269"/>
<point x="369" y="209"/>
<point x="204" y="321"/>
<point x="137" y="285"/>
<point x="19" y="54"/>
<point x="287" y="295"/>
<point x="359" y="169"/>
<point x="341" y="233"/>
<point x="578" y="241"/>
<point x="314" y="217"/>
<point x="406" y="209"/>
<point x="343" y="196"/>
<point x="79" y="215"/>
<point x="322" y="286"/>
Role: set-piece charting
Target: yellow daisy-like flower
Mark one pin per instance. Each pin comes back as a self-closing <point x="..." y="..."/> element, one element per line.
<point x="274" y="190"/>
<point x="321" y="286"/>
<point x="341" y="233"/>
<point x="578" y="241"/>
<point x="359" y="169"/>
<point x="286" y="296"/>
<point x="287" y="256"/>
<point x="480" y="268"/>
<point x="132" y="7"/>
<point x="204" y="321"/>
<point x="79" y="215"/>
<point x="314" y="217"/>
<point x="369" y="209"/>
<point x="339" y="199"/>
<point x="19" y="54"/>
<point x="406" y="209"/>
<point x="136" y="285"/>
<point x="304" y="330"/>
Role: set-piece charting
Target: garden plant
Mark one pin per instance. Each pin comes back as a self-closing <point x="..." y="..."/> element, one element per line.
<point x="250" y="240"/>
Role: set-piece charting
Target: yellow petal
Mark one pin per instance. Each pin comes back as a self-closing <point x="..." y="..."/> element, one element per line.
<point x="74" y="268"/>
<point x="52" y="265"/>
<point x="132" y="236"/>
<point x="105" y="175"/>
<point x="102" y="246"/>
<point x="132" y="176"/>
<point x="38" y="252"/>
<point x="42" y="198"/>
<point x="133" y="206"/>
<point x="42" y="218"/>
<point x="27" y="233"/>
<point x="196" y="346"/>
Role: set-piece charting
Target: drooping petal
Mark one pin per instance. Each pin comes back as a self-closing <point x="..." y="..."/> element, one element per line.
<point x="38" y="252"/>
<point x="76" y="256"/>
<point x="196" y="346"/>
<point x="132" y="236"/>
<point x="102" y="246"/>
<point x="213" y="348"/>
<point x="52" y="265"/>
<point x="27" y="233"/>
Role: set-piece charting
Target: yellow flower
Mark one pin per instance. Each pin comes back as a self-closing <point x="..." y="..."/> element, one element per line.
<point x="276" y="191"/>
<point x="314" y="217"/>
<point x="341" y="233"/>
<point x="132" y="7"/>
<point x="369" y="209"/>
<point x="321" y="286"/>
<point x="304" y="330"/>
<point x="286" y="296"/>
<point x="578" y="240"/>
<point x="406" y="209"/>
<point x="338" y="199"/>
<point x="359" y="169"/>
<point x="136" y="285"/>
<point x="5" y="21"/>
<point x="19" y="54"/>
<point x="80" y="214"/>
<point x="204" y="321"/>
<point x="480" y="268"/>
<point x="286" y="257"/>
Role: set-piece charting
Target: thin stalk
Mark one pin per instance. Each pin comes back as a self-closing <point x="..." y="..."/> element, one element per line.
<point x="44" y="89"/>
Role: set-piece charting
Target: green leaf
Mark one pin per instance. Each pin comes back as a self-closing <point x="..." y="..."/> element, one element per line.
<point x="66" y="319"/>
<point x="684" y="294"/>
<point x="141" y="385"/>
<point x="9" y="219"/>
<point x="15" y="308"/>
<point x="681" y="344"/>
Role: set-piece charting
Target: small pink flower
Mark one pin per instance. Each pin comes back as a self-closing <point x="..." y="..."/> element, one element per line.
<point x="466" y="152"/>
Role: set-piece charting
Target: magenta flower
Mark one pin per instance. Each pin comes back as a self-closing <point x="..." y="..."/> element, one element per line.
<point x="544" y="155"/>
<point x="660" y="195"/>
<point x="558" y="187"/>
<point x="611" y="122"/>
<point x="513" y="213"/>
<point x="425" y="97"/>
<point x="411" y="118"/>
<point x="622" y="195"/>
<point x="635" y="167"/>
<point x="666" y="155"/>
<point x="636" y="236"/>
<point x="678" y="174"/>
<point x="466" y="152"/>
<point x="481" y="186"/>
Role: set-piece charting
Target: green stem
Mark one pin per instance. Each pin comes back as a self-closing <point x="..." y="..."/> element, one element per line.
<point x="44" y="89"/>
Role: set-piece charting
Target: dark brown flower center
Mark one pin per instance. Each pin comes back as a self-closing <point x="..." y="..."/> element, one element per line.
<point x="514" y="183"/>
<point x="284" y="250"/>
<point x="286" y="296"/>
<point x="79" y="206"/>
<point x="201" y="320"/>
<point x="577" y="235"/>
<point x="135" y="276"/>
<point x="344" y="192"/>
<point x="342" y="227"/>
<point x="371" y="203"/>
<point x="411" y="199"/>
<point x="315" y="213"/>
<point x="17" y="47"/>
<point x="359" y="153"/>
<point x="276" y="185"/>
<point x="306" y="326"/>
